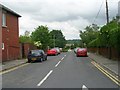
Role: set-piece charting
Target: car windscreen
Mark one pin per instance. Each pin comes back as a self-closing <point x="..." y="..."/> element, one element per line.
<point x="36" y="52"/>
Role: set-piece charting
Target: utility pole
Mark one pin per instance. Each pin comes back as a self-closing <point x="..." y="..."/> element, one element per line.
<point x="107" y="17"/>
<point x="107" y="14"/>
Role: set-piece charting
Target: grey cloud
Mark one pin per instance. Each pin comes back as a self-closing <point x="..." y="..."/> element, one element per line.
<point x="49" y="12"/>
<point x="56" y="13"/>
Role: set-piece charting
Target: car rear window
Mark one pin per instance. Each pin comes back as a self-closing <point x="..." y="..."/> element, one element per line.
<point x="35" y="52"/>
<point x="81" y="49"/>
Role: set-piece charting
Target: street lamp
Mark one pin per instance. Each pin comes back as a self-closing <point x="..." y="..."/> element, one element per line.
<point x="54" y="40"/>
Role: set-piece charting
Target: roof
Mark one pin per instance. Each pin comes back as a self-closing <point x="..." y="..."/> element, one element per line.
<point x="9" y="10"/>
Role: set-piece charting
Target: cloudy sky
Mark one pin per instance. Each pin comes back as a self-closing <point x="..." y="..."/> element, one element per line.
<point x="70" y="16"/>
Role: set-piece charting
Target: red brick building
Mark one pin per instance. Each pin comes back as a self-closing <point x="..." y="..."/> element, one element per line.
<point x="10" y="34"/>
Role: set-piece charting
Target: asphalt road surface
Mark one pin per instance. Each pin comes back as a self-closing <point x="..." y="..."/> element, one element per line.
<point x="62" y="71"/>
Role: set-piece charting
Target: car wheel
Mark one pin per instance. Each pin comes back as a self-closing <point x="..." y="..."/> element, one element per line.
<point x="29" y="60"/>
<point x="41" y="59"/>
<point x="46" y="58"/>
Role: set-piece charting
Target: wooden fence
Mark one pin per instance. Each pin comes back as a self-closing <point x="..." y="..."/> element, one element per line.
<point x="111" y="53"/>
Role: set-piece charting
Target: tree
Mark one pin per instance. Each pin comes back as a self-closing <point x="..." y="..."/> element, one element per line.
<point x="25" y="38"/>
<point x="57" y="39"/>
<point x="108" y="36"/>
<point x="41" y="34"/>
<point x="90" y="34"/>
<point x="110" y="33"/>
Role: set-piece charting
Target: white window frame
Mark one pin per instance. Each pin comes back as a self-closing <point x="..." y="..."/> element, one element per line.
<point x="3" y="47"/>
<point x="4" y="20"/>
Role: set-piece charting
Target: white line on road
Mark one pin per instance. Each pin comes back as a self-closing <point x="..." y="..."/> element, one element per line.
<point x="62" y="58"/>
<point x="57" y="63"/>
<point x="40" y="83"/>
<point x="84" y="87"/>
<point x="65" y="55"/>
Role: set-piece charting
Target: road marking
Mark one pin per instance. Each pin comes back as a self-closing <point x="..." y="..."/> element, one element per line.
<point x="106" y="72"/>
<point x="14" y="68"/>
<point x="114" y="79"/>
<point x="40" y="83"/>
<point x="57" y="63"/>
<point x="65" y="55"/>
<point x="62" y="58"/>
<point x="84" y="87"/>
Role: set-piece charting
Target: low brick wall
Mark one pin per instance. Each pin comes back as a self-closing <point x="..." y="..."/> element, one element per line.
<point x="25" y="47"/>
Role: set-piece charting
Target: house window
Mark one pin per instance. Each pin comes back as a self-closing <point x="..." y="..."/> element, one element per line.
<point x="4" y="20"/>
<point x="2" y="46"/>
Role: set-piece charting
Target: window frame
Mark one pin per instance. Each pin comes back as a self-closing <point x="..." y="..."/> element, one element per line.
<point x="3" y="46"/>
<point x="4" y="20"/>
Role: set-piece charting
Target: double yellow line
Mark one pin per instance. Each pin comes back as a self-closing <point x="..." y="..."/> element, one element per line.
<point x="113" y="78"/>
<point x="13" y="68"/>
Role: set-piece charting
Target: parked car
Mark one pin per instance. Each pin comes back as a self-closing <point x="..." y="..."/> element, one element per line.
<point x="75" y="50"/>
<point x="52" y="52"/>
<point x="81" y="52"/>
<point x="37" y="55"/>
<point x="58" y="50"/>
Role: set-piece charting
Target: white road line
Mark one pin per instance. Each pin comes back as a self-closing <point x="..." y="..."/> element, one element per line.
<point x="65" y="55"/>
<point x="84" y="87"/>
<point x="62" y="58"/>
<point x="40" y="83"/>
<point x="57" y="63"/>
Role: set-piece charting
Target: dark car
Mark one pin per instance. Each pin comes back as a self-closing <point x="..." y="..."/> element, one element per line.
<point x="37" y="55"/>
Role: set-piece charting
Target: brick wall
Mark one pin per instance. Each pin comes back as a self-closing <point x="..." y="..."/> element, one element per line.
<point x="0" y="34"/>
<point x="10" y="38"/>
<point x="25" y="47"/>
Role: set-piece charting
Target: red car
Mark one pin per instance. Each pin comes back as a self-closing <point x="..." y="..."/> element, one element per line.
<point x="52" y="52"/>
<point x="81" y="52"/>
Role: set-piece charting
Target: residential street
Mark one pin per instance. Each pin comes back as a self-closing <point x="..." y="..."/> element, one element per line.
<point x="62" y="71"/>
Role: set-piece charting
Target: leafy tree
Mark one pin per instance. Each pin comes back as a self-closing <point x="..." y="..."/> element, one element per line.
<point x="41" y="34"/>
<point x="90" y="34"/>
<point x="25" y="38"/>
<point x="57" y="39"/>
<point x="109" y="34"/>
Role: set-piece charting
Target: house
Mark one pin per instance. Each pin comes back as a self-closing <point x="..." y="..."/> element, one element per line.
<point x="10" y="34"/>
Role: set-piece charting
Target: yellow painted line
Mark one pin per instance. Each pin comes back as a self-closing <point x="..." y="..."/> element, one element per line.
<point x="109" y="73"/>
<point x="103" y="71"/>
<point x="108" y="76"/>
<point x="14" y="68"/>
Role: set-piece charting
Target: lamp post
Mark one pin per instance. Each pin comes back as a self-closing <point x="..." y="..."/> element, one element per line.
<point x="54" y="40"/>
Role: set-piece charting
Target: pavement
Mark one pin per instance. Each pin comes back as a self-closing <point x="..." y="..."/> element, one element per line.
<point x="111" y="65"/>
<point x="13" y="63"/>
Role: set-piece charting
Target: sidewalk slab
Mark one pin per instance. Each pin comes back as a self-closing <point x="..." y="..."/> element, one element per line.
<point x="13" y="63"/>
<point x="112" y="65"/>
